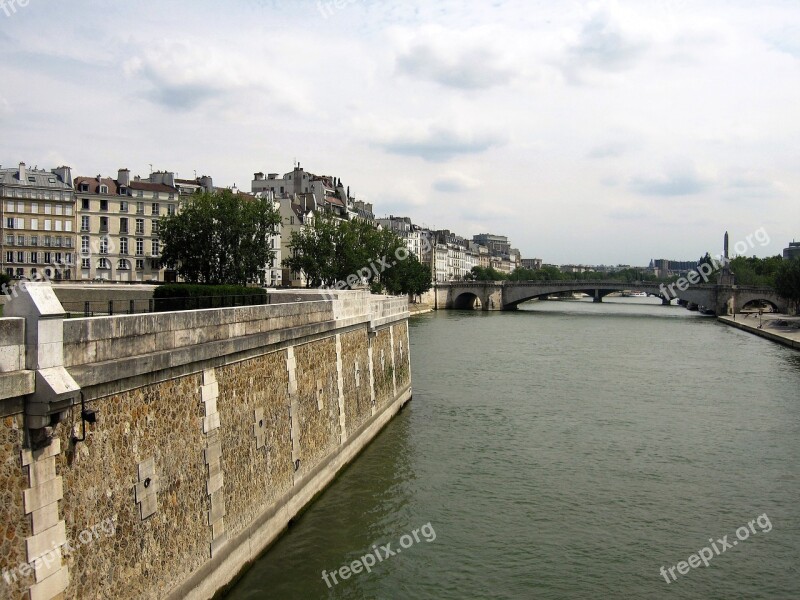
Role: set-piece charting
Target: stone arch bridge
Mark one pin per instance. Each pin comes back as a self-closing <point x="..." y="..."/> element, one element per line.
<point x="507" y="295"/>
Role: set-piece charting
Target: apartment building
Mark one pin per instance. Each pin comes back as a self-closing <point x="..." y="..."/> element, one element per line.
<point x="37" y="223"/>
<point x="119" y="226"/>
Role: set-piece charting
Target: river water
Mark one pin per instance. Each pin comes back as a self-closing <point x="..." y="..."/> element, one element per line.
<point x="567" y="450"/>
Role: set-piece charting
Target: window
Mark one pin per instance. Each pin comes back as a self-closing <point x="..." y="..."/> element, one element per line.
<point x="103" y="264"/>
<point x="85" y="223"/>
<point x="48" y="225"/>
<point x="172" y="196"/>
<point x="140" y="265"/>
<point x="20" y="257"/>
<point x="123" y="246"/>
<point x="67" y="225"/>
<point x="48" y="209"/>
<point x="34" y="208"/>
<point x="84" y="204"/>
<point x="35" y="224"/>
<point x="20" y="240"/>
<point x="85" y="245"/>
<point x="34" y="258"/>
<point x="58" y="242"/>
<point x="103" y="224"/>
<point x="68" y="258"/>
<point x="140" y="194"/>
<point x="103" y="190"/>
<point x="58" y="225"/>
<point x="123" y="190"/>
<point x="48" y="257"/>
<point x="68" y="242"/>
<point x="47" y="241"/>
<point x="104" y="245"/>
<point x="9" y="240"/>
<point x="9" y="257"/>
<point x="155" y="195"/>
<point x="68" y="210"/>
<point x="104" y="204"/>
<point x="155" y="247"/>
<point x="155" y="208"/>
<point x="171" y="210"/>
<point x="123" y="206"/>
<point x="84" y="187"/>
<point x="139" y="247"/>
<point x="139" y="226"/>
<point x="154" y="227"/>
<point x="123" y="265"/>
<point x="140" y="207"/>
<point x="59" y="258"/>
<point x="84" y="263"/>
<point x="34" y="240"/>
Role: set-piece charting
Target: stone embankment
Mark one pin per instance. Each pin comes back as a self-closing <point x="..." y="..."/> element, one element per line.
<point x="779" y="328"/>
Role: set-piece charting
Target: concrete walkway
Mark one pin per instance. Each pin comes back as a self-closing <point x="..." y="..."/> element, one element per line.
<point x="776" y="327"/>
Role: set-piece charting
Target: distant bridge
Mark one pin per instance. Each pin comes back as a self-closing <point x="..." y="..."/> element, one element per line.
<point x="508" y="295"/>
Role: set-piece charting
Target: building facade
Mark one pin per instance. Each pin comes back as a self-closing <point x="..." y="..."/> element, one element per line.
<point x="38" y="223"/>
<point x="119" y="221"/>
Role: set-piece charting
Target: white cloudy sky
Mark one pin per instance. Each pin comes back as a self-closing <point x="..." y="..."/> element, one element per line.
<point x="595" y="132"/>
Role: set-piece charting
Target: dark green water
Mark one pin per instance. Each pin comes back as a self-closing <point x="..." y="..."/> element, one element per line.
<point x="567" y="450"/>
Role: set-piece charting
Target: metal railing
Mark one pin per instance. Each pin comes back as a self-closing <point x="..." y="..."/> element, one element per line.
<point x="106" y="308"/>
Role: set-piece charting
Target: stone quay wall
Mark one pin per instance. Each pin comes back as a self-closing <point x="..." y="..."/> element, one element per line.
<point x="157" y="455"/>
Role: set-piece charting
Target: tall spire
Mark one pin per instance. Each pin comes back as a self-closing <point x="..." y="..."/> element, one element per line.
<point x="726" y="245"/>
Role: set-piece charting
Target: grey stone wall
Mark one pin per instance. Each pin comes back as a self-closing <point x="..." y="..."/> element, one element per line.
<point x="214" y="428"/>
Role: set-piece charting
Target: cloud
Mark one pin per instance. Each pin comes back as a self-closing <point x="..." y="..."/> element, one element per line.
<point x="452" y="183"/>
<point x="436" y="143"/>
<point x="676" y="181"/>
<point x="461" y="60"/>
<point x="602" y="45"/>
<point x="184" y="76"/>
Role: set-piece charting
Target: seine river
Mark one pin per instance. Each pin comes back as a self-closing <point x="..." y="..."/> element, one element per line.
<point x="567" y="450"/>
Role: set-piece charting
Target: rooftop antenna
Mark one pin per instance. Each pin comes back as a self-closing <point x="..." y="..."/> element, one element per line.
<point x="195" y="173"/>
<point x="151" y="168"/>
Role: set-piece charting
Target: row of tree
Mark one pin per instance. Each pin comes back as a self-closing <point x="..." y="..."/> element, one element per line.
<point x="549" y="273"/>
<point x="219" y="238"/>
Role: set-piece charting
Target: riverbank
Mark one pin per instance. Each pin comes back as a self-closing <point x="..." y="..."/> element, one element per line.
<point x="779" y="328"/>
<point x="419" y="309"/>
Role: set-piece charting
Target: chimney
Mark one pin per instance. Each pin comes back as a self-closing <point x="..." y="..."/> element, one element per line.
<point x="207" y="183"/>
<point x="65" y="174"/>
<point x="124" y="177"/>
<point x="258" y="177"/>
<point x="23" y="178"/>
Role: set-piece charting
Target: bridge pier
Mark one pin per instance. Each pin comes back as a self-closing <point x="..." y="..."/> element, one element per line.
<point x="666" y="301"/>
<point x="598" y="299"/>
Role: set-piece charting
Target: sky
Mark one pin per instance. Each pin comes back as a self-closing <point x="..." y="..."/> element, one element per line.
<point x="608" y="132"/>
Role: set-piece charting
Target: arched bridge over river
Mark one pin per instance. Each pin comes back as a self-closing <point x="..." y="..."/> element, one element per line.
<point x="507" y="295"/>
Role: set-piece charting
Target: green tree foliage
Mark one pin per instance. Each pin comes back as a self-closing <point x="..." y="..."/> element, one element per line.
<point x="5" y="279"/>
<point x="787" y="281"/>
<point x="485" y="274"/>
<point x="349" y="254"/>
<point x="408" y="276"/>
<point x="756" y="271"/>
<point x="219" y="238"/>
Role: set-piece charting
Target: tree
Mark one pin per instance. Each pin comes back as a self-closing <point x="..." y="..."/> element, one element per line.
<point x="408" y="276"/>
<point x="220" y="238"/>
<point x="787" y="281"/>
<point x="349" y="254"/>
<point x="485" y="274"/>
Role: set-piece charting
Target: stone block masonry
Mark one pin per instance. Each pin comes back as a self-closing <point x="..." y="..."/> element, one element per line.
<point x="213" y="429"/>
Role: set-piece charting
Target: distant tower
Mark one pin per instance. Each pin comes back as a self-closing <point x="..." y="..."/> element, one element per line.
<point x="726" y="275"/>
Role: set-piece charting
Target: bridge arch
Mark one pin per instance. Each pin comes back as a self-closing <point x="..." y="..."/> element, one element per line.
<point x="467" y="301"/>
<point x="759" y="303"/>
